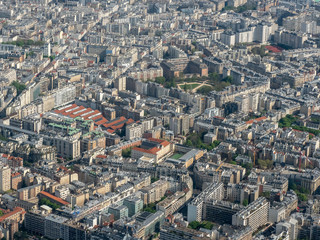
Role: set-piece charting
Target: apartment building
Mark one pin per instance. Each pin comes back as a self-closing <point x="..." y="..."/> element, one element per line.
<point x="172" y="203"/>
<point x="215" y="191"/>
<point x="155" y="191"/>
<point x="5" y="178"/>
<point x="254" y="215"/>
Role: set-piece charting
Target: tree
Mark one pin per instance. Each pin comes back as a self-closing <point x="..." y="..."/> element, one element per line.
<point x="126" y="153"/>
<point x="151" y="207"/>
<point x="264" y="164"/>
<point x="19" y="86"/>
<point x="206" y="225"/>
<point x="154" y="179"/>
<point x="195" y="140"/>
<point x="214" y="76"/>
<point x="248" y="167"/>
<point x="160" y="80"/>
<point x="205" y="90"/>
<point x="304" y="190"/>
<point x="163" y="198"/>
<point x="194" y="225"/>
<point x="3" y="138"/>
<point x="287" y="121"/>
<point x="259" y="51"/>
<point x="228" y="8"/>
<point x="26" y="43"/>
<point x="227" y="79"/>
<point x="215" y="143"/>
<point x="302" y="197"/>
<point x="189" y="143"/>
<point x="245" y="8"/>
<point x="245" y="202"/>
<point x="47" y="202"/>
<point x="197" y="225"/>
<point x="265" y="194"/>
<point x="292" y="186"/>
<point x="31" y="54"/>
<point x="230" y="107"/>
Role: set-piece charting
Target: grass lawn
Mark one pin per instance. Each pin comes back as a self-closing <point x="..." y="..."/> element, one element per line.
<point x="188" y="86"/>
<point x="177" y="155"/>
<point x="194" y="85"/>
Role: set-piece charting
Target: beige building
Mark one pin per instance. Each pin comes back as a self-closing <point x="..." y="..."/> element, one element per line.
<point x="78" y="199"/>
<point x="104" y="188"/>
<point x="67" y="147"/>
<point x="5" y="178"/>
<point x="171" y="204"/>
<point x="29" y="192"/>
<point x="133" y="131"/>
<point x="155" y="149"/>
<point x="180" y="124"/>
<point x="155" y="191"/>
<point x="310" y="181"/>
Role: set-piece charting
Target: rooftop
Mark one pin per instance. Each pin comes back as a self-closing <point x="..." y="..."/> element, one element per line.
<point x="57" y="199"/>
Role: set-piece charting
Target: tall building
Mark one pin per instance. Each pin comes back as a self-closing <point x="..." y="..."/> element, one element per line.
<point x="133" y="131"/>
<point x="35" y="223"/>
<point x="240" y="192"/>
<point x="5" y="178"/>
<point x="291" y="39"/>
<point x="315" y="231"/>
<point x="144" y="225"/>
<point x="254" y="215"/>
<point x="228" y="38"/>
<point x="181" y="233"/>
<point x="52" y="226"/>
<point x="66" y="94"/>
<point x="118" y="211"/>
<point x="215" y="191"/>
<point x="291" y="226"/>
<point x="155" y="191"/>
<point x="11" y="221"/>
<point x="29" y="192"/>
<point x="68" y="147"/>
<point x="172" y="203"/>
<point x="91" y="141"/>
<point x="47" y="49"/>
<point x="220" y="211"/>
<point x="133" y="204"/>
<point x="16" y="180"/>
<point x="120" y="83"/>
<point x="179" y="125"/>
